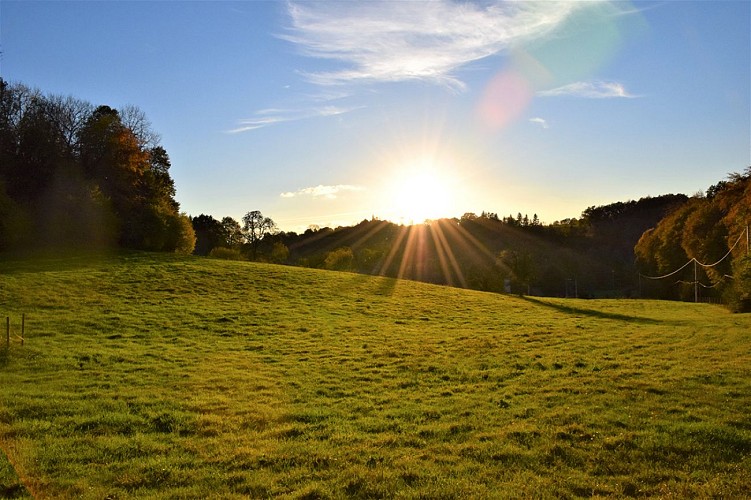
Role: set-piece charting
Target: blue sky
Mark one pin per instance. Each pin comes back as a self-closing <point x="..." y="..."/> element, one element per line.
<point x="327" y="113"/>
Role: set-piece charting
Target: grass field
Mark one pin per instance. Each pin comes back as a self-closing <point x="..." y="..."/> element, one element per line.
<point x="157" y="376"/>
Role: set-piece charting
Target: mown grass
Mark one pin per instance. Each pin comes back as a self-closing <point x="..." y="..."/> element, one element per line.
<point x="156" y="376"/>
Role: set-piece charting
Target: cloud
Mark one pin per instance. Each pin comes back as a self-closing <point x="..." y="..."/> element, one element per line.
<point x="378" y="41"/>
<point x="543" y="123"/>
<point x="590" y="90"/>
<point x="266" y="117"/>
<point x="321" y="191"/>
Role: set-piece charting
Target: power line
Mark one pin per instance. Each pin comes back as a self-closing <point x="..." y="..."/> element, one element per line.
<point x="694" y="259"/>
<point x="729" y="251"/>
<point x="696" y="262"/>
<point x="670" y="274"/>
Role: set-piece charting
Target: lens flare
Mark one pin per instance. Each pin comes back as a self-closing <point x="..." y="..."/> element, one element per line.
<point x="584" y="44"/>
<point x="505" y="98"/>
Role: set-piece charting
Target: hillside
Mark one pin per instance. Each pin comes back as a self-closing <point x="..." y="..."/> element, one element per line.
<point x="160" y="376"/>
<point x="480" y="252"/>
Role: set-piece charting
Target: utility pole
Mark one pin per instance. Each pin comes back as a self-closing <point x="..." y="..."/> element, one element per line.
<point x="575" y="290"/>
<point x="696" y="284"/>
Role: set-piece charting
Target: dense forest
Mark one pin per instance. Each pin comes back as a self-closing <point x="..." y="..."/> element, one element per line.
<point x="73" y="175"/>
<point x="591" y="256"/>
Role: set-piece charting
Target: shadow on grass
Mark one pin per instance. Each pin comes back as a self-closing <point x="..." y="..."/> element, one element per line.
<point x="72" y="260"/>
<point x="54" y="260"/>
<point x="385" y="285"/>
<point x="592" y="313"/>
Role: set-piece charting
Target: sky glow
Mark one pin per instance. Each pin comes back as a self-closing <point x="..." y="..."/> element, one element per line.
<point x="326" y="113"/>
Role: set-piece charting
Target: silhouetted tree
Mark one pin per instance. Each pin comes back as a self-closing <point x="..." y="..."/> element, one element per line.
<point x="255" y="228"/>
<point x="209" y="234"/>
<point x="521" y="266"/>
<point x="133" y="118"/>
<point x="233" y="233"/>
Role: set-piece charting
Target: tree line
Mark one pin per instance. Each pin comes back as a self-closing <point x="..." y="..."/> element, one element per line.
<point x="590" y="256"/>
<point x="227" y="239"/>
<point x="82" y="176"/>
<point x="606" y="252"/>
<point x="706" y="228"/>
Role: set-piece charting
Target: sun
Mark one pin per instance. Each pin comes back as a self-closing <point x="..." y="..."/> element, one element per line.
<point x="420" y="191"/>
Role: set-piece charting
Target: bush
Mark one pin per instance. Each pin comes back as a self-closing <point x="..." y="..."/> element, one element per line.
<point x="226" y="253"/>
<point x="279" y="253"/>
<point x="185" y="236"/>
<point x="339" y="260"/>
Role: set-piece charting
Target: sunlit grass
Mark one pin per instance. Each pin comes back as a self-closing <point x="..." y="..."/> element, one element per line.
<point x="157" y="376"/>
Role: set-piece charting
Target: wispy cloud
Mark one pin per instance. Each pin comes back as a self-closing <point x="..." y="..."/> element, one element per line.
<point x="321" y="191"/>
<point x="590" y="90"/>
<point x="378" y="41"/>
<point x="266" y="117"/>
<point x="541" y="121"/>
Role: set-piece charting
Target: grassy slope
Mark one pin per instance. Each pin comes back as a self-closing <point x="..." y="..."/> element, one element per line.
<point x="158" y="376"/>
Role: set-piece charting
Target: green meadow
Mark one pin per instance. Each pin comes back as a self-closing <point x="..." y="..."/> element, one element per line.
<point x="158" y="376"/>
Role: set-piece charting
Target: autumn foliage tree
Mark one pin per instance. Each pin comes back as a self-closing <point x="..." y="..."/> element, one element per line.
<point x="710" y="229"/>
<point x="72" y="174"/>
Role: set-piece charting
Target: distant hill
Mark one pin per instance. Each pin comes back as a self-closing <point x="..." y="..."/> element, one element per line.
<point x="590" y="256"/>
